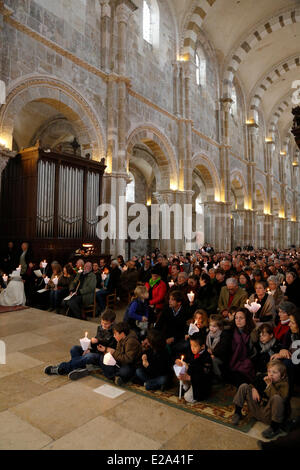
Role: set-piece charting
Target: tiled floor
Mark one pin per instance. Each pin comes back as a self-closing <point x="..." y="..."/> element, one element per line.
<point x="50" y="412"/>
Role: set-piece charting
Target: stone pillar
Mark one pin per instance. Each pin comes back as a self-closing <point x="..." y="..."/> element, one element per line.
<point x="224" y="150"/>
<point x="252" y="138"/>
<point x="116" y="177"/>
<point x="188" y="126"/>
<point x="176" y="87"/>
<point x="105" y="34"/>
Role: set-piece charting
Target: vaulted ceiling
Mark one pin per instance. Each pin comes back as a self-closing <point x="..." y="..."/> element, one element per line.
<point x="258" y="42"/>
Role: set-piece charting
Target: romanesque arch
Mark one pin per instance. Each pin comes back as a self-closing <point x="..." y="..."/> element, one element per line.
<point x="209" y="175"/>
<point x="161" y="149"/>
<point x="193" y="23"/>
<point x="275" y="74"/>
<point x="265" y="28"/>
<point x="65" y="99"/>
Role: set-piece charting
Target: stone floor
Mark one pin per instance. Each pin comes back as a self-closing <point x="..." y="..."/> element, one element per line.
<point x="50" y="412"/>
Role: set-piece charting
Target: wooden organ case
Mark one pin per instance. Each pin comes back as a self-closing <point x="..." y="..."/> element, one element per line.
<point x="50" y="199"/>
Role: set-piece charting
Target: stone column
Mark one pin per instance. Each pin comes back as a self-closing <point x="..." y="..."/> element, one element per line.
<point x="224" y="151"/>
<point x="105" y="34"/>
<point x="188" y="126"/>
<point x="252" y="137"/>
<point x="116" y="177"/>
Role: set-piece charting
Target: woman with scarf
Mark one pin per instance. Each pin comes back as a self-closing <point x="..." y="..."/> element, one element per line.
<point x="157" y="292"/>
<point x="281" y="330"/>
<point x="241" y="368"/>
<point x="267" y="312"/>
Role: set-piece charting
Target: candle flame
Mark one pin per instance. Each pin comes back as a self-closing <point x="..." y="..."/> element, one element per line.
<point x="86" y="334"/>
<point x="182" y="357"/>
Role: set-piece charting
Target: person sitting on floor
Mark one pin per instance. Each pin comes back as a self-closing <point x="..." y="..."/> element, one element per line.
<point x="76" y="367"/>
<point x="218" y="344"/>
<point x="290" y="353"/>
<point x="266" y="399"/>
<point x="197" y="379"/>
<point x="126" y="354"/>
<point x="244" y="337"/>
<point x="156" y="367"/>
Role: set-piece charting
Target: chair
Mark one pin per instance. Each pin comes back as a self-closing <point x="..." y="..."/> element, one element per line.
<point x="90" y="308"/>
<point x="111" y="300"/>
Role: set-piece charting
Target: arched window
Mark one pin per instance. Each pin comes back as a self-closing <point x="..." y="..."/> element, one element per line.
<point x="151" y="22"/>
<point x="200" y="67"/>
<point x="130" y="189"/>
<point x="147" y="27"/>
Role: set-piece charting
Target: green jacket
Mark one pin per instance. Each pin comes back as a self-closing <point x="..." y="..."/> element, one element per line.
<point x="239" y="299"/>
<point x="88" y="289"/>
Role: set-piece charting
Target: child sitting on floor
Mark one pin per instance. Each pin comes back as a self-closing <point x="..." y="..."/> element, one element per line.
<point x="218" y="342"/>
<point x="76" y="367"/>
<point x="137" y="311"/>
<point x="156" y="368"/>
<point x="266" y="399"/>
<point x="198" y="376"/>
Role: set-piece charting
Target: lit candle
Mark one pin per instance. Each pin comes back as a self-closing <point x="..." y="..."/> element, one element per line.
<point x="181" y="383"/>
<point x="46" y="280"/>
<point x="191" y="296"/>
<point x="55" y="281"/>
<point x="171" y="283"/>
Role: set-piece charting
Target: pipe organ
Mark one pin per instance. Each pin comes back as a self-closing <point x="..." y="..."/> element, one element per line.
<point x="50" y="199"/>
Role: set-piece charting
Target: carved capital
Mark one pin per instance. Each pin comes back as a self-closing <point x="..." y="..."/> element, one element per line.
<point x="226" y="104"/>
<point x="105" y="9"/>
<point x="124" y="10"/>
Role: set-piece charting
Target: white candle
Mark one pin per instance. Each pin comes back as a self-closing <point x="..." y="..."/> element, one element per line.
<point x="46" y="280"/>
<point x="171" y="283"/>
<point x="19" y="268"/>
<point x="55" y="281"/>
<point x="85" y="343"/>
<point x="191" y="296"/>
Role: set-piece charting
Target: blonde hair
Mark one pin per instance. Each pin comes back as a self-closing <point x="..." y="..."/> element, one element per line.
<point x="279" y="366"/>
<point x="204" y="316"/>
<point x="140" y="292"/>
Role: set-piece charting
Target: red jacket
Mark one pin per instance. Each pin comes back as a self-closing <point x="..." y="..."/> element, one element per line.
<point x="159" y="292"/>
<point x="280" y="331"/>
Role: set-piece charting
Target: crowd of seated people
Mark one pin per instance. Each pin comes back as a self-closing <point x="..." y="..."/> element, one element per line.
<point x="193" y="311"/>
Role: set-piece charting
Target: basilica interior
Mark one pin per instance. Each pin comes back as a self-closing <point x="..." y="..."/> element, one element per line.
<point x="186" y="102"/>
